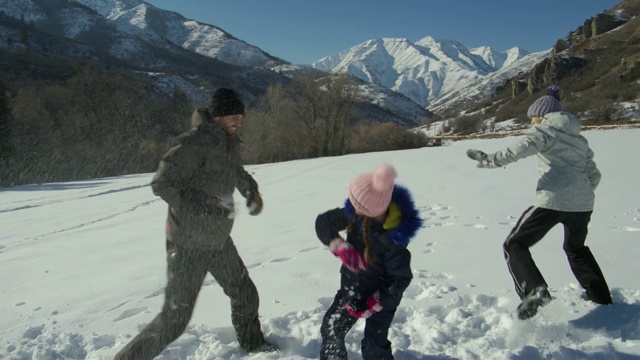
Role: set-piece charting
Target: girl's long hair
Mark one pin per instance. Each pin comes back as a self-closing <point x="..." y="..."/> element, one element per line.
<point x="366" y="239"/>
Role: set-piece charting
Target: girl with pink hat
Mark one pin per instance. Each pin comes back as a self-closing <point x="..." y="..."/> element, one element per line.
<point x="380" y="219"/>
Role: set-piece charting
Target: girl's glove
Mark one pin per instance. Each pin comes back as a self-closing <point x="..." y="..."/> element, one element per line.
<point x="254" y="202"/>
<point x="484" y="160"/>
<point x="359" y="308"/>
<point x="350" y="256"/>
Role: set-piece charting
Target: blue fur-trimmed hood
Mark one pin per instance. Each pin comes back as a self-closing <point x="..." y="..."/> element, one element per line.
<point x="410" y="222"/>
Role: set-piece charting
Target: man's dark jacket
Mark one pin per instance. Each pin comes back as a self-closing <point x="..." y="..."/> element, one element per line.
<point x="197" y="178"/>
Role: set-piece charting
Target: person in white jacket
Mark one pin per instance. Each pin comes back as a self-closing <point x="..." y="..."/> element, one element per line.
<point x="564" y="195"/>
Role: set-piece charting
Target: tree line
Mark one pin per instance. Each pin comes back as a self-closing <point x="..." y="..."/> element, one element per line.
<point x="96" y="123"/>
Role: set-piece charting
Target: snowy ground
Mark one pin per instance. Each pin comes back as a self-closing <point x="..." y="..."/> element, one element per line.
<point x="82" y="264"/>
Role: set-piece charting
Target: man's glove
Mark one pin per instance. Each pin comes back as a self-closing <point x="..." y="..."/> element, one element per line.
<point x="350" y="256"/>
<point x="360" y="308"/>
<point x="254" y="202"/>
<point x="484" y="160"/>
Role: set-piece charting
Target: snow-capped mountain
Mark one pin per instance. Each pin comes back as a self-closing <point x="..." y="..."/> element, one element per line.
<point x="139" y="24"/>
<point x="428" y="70"/>
<point x="499" y="59"/>
<point x="137" y="16"/>
<point x="463" y="97"/>
<point x="132" y="35"/>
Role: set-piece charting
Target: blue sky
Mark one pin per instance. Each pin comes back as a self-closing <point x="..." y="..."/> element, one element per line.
<point x="301" y="31"/>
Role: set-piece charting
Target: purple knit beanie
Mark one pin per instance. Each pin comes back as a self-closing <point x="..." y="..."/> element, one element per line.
<point x="543" y="106"/>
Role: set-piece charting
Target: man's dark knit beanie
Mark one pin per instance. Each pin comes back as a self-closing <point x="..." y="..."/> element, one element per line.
<point x="225" y="102"/>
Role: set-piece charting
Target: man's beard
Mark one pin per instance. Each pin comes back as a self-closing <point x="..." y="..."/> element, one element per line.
<point x="233" y="137"/>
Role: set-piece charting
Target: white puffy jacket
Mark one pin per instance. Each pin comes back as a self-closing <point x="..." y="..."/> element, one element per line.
<point x="565" y="161"/>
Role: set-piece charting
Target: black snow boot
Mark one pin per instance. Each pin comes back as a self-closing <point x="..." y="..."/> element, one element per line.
<point x="537" y="298"/>
<point x="264" y="347"/>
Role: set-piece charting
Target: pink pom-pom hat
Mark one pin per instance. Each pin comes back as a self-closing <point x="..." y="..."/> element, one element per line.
<point x="370" y="193"/>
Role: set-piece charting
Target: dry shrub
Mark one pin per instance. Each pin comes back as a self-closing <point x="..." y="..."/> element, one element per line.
<point x="467" y="124"/>
<point x="384" y="137"/>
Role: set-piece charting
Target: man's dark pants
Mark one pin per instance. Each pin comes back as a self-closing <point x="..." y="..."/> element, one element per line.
<point x="186" y="270"/>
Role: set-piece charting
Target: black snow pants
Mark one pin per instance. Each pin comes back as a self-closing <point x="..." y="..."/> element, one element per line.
<point x="186" y="270"/>
<point x="337" y="322"/>
<point x="532" y="226"/>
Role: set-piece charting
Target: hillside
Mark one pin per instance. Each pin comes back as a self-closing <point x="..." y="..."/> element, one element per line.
<point x="597" y="67"/>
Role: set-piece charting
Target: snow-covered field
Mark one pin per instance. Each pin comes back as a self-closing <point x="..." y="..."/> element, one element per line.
<point x="82" y="264"/>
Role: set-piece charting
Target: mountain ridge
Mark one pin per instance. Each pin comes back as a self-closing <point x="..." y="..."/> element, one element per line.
<point x="423" y="71"/>
<point x="205" y="39"/>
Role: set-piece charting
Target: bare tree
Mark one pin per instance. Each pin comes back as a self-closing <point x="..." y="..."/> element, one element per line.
<point x="468" y="124"/>
<point x="325" y="104"/>
<point x="340" y="97"/>
<point x="309" y="117"/>
<point x="273" y="132"/>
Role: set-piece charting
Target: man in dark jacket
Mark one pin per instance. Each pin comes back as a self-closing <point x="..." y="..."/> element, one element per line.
<point x="197" y="178"/>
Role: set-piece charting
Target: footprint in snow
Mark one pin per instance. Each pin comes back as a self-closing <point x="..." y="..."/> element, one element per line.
<point x="130" y="313"/>
<point x="477" y="226"/>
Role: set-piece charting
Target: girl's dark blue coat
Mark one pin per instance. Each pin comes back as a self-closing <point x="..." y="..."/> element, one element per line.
<point x="389" y="271"/>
